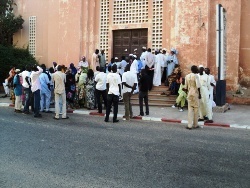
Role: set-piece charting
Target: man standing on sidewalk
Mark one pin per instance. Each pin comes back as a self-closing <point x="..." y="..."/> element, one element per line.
<point x="193" y="96"/>
<point x="59" y="79"/>
<point x="101" y="79"/>
<point x="35" y="88"/>
<point x="212" y="84"/>
<point x="27" y="88"/>
<point x="129" y="82"/>
<point x="114" y="91"/>
<point x="143" y="92"/>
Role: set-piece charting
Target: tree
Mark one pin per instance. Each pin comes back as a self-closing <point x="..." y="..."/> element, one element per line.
<point x="9" y="23"/>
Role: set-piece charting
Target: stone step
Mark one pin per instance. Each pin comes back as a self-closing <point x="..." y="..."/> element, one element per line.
<point x="155" y="100"/>
<point x="154" y="104"/>
<point x="159" y="99"/>
<point x="156" y="95"/>
<point x="159" y="90"/>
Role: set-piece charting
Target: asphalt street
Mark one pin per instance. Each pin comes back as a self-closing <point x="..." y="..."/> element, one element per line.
<point x="84" y="151"/>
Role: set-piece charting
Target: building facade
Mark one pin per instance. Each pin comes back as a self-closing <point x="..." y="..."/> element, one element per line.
<point x="65" y="30"/>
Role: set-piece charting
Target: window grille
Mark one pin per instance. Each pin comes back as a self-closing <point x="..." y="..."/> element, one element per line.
<point x="104" y="26"/>
<point x="130" y="11"/>
<point x="32" y="35"/>
<point x="157" y="24"/>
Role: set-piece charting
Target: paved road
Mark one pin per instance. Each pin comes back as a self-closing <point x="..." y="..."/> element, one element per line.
<point x="84" y="151"/>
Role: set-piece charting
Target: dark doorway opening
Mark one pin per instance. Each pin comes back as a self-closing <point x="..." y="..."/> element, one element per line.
<point x="129" y="41"/>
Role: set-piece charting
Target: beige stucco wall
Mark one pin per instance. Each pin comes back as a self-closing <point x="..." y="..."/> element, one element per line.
<point x="188" y="32"/>
<point x="233" y="9"/>
<point x="68" y="29"/>
<point x="244" y="64"/>
<point x="58" y="32"/>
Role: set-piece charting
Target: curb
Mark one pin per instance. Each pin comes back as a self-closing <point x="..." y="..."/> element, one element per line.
<point x="146" y="118"/>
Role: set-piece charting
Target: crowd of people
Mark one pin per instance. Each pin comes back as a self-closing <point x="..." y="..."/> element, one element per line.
<point x="101" y="85"/>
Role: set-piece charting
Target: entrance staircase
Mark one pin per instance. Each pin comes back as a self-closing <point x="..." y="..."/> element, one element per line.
<point x="156" y="97"/>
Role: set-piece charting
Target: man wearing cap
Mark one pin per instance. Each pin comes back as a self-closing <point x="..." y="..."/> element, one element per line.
<point x="171" y="61"/>
<point x="212" y="84"/>
<point x="143" y="56"/>
<point x="134" y="70"/>
<point x="150" y="62"/>
<point x="159" y="61"/>
<point x="118" y="64"/>
<point x="18" y="91"/>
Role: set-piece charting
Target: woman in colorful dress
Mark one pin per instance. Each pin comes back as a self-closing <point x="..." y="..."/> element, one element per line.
<point x="81" y="80"/>
<point x="90" y="90"/>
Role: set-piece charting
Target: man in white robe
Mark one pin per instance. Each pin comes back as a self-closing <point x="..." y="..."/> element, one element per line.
<point x="204" y="102"/>
<point x="83" y="63"/>
<point x="171" y="61"/>
<point x="164" y="66"/>
<point x="134" y="70"/>
<point x="159" y="61"/>
<point x="212" y="84"/>
<point x="150" y="62"/>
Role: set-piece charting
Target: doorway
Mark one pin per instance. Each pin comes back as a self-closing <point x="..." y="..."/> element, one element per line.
<point x="129" y="41"/>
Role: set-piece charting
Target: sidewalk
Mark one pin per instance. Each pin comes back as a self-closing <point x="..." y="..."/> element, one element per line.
<point x="236" y="117"/>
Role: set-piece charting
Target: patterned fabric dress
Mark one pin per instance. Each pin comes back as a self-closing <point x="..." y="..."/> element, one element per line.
<point x="90" y="93"/>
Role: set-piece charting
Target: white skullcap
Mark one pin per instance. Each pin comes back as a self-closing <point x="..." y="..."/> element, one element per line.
<point x="164" y="49"/>
<point x="130" y="55"/>
<point x="116" y="57"/>
<point x="144" y="48"/>
<point x="134" y="56"/>
<point x="200" y="66"/>
<point x="17" y="70"/>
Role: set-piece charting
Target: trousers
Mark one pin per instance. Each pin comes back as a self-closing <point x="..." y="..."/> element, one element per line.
<point x="61" y="97"/>
<point x="112" y="99"/>
<point x="143" y="96"/>
<point x="127" y="105"/>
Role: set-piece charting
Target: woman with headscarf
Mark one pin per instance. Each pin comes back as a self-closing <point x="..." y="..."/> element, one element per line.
<point x="90" y="90"/>
<point x="81" y="80"/>
<point x="70" y="88"/>
<point x="73" y="69"/>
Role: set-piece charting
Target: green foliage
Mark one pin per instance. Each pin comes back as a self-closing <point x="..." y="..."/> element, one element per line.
<point x="9" y="24"/>
<point x="10" y="56"/>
